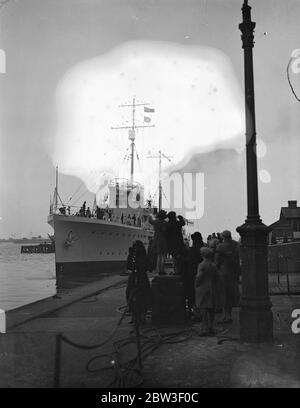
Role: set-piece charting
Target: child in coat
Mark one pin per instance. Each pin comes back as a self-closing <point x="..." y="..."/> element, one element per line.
<point x="205" y="290"/>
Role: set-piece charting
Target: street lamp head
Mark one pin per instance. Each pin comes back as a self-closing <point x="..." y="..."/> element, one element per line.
<point x="247" y="26"/>
<point x="246" y="9"/>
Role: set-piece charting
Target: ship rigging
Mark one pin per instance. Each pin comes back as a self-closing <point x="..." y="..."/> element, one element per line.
<point x="132" y="130"/>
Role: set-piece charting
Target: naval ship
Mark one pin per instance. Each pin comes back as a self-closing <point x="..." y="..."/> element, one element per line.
<point x="98" y="241"/>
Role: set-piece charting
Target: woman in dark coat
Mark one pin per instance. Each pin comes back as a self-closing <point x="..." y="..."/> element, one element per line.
<point x="159" y="244"/>
<point x="138" y="290"/>
<point x="205" y="288"/>
<point x="228" y="264"/>
<point x="193" y="260"/>
<point x="175" y="241"/>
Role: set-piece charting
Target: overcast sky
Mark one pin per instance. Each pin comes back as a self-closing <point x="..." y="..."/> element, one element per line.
<point x="45" y="39"/>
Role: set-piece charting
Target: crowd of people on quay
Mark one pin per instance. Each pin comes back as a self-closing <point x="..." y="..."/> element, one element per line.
<point x="210" y="270"/>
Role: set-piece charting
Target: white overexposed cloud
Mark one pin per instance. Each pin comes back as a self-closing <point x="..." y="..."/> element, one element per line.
<point x="198" y="108"/>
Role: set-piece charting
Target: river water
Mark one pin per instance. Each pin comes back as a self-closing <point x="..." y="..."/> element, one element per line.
<point x="24" y="278"/>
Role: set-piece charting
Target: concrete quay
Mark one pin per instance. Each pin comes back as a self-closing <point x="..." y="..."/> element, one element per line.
<point x="50" y="344"/>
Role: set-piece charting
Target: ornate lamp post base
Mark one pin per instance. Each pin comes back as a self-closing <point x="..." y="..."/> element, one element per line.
<point x="256" y="318"/>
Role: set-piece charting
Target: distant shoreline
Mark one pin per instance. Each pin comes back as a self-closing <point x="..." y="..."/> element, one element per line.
<point x="27" y="240"/>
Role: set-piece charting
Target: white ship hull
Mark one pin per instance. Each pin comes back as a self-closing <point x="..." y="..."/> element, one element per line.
<point x="89" y="245"/>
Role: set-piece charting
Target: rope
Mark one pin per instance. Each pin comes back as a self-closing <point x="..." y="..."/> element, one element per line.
<point x="79" y="198"/>
<point x="166" y="197"/>
<point x="125" y="372"/>
<point x="223" y="339"/>
<point x="77" y="191"/>
<point x="94" y="346"/>
<point x="289" y="80"/>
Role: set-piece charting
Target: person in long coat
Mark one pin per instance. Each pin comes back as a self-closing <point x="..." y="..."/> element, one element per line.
<point x="193" y="260"/>
<point x="175" y="241"/>
<point x="228" y="265"/>
<point x="159" y="244"/>
<point x="151" y="254"/>
<point x="138" y="290"/>
<point x="206" y="291"/>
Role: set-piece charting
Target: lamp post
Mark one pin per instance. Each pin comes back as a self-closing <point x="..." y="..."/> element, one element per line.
<point x="256" y="319"/>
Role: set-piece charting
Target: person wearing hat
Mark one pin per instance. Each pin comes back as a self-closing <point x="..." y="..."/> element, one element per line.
<point x="219" y="237"/>
<point x="159" y="243"/>
<point x="175" y="241"/>
<point x="213" y="243"/>
<point x="228" y="265"/>
<point x="193" y="260"/>
<point x="205" y="290"/>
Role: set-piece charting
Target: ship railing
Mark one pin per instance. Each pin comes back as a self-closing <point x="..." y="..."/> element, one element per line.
<point x="104" y="215"/>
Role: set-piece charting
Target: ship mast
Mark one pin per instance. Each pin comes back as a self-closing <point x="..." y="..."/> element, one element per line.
<point x="159" y="156"/>
<point x="132" y="138"/>
<point x="56" y="188"/>
<point x="56" y="196"/>
<point x="55" y="193"/>
<point x="131" y="132"/>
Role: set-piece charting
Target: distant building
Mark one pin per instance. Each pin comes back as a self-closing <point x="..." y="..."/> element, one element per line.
<point x="287" y="228"/>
